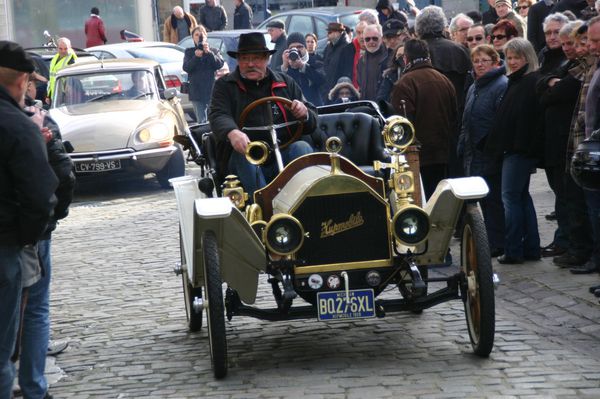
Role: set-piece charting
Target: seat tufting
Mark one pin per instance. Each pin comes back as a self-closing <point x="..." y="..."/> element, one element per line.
<point x="359" y="133"/>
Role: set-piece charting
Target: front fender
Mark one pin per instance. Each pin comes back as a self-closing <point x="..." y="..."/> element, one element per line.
<point x="444" y="209"/>
<point x="241" y="252"/>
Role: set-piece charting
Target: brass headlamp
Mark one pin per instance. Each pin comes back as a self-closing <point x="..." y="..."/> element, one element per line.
<point x="398" y="133"/>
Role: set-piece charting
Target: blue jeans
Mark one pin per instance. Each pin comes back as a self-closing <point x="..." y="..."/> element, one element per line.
<point x="592" y="199"/>
<point x="521" y="236"/>
<point x="10" y="299"/>
<point x="254" y="177"/>
<point x="200" y="111"/>
<point x="36" y="330"/>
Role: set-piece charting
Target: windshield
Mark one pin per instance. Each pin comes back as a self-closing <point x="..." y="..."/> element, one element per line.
<point x="350" y="20"/>
<point x="159" y="54"/>
<point x="105" y="86"/>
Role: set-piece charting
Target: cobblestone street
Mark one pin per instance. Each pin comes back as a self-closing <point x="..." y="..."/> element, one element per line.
<point x="118" y="303"/>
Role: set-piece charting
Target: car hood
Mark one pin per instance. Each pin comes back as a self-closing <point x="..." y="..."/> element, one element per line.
<point x="106" y="125"/>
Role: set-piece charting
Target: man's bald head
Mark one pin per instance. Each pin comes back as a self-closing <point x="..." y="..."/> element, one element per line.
<point x="178" y="12"/>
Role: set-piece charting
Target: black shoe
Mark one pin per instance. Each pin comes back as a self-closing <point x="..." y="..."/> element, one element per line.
<point x="589" y="267"/>
<point x="507" y="260"/>
<point x="568" y="260"/>
<point x="597" y="293"/>
<point x="552" y="250"/>
<point x="551" y="216"/>
<point x="533" y="258"/>
<point x="594" y="288"/>
<point x="48" y="396"/>
<point x="495" y="252"/>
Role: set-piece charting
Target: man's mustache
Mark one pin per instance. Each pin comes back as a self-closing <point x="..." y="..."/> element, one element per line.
<point x="254" y="70"/>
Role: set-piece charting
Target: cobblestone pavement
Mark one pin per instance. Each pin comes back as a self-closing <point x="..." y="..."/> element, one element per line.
<point x="117" y="302"/>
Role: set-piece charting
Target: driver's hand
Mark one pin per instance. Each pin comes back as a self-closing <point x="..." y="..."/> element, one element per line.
<point x="299" y="110"/>
<point x="239" y="140"/>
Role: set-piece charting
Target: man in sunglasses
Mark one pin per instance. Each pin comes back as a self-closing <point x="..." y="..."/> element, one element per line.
<point x="476" y="36"/>
<point x="372" y="63"/>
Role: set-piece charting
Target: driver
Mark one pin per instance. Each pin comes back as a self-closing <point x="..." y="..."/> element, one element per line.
<point x="251" y="81"/>
<point x="139" y="86"/>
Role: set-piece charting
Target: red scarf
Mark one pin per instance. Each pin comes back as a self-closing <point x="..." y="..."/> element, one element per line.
<point x="355" y="66"/>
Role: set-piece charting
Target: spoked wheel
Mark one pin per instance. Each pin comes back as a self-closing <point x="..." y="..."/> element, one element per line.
<point x="189" y="293"/>
<point x="478" y="292"/>
<point x="213" y="287"/>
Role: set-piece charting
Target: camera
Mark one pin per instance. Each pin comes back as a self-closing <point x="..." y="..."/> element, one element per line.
<point x="294" y="54"/>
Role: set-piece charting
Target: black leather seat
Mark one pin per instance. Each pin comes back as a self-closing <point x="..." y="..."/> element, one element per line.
<point x="360" y="134"/>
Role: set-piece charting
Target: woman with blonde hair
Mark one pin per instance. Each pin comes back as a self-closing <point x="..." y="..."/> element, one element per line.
<point x="511" y="142"/>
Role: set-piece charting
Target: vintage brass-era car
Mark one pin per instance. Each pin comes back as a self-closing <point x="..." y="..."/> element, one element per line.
<point x="332" y="230"/>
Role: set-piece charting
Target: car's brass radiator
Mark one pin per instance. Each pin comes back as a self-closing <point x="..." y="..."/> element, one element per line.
<point x="343" y="228"/>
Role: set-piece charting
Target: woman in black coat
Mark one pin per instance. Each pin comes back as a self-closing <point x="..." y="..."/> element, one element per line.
<point x="512" y="142"/>
<point x="201" y="63"/>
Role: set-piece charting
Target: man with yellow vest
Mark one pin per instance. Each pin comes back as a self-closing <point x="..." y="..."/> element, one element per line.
<point x="65" y="56"/>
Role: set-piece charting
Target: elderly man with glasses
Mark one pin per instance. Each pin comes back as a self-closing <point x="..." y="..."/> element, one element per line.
<point x="372" y="63"/>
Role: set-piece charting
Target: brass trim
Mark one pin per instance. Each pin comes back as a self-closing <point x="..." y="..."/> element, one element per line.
<point x="255" y="225"/>
<point x="329" y="190"/>
<point x="263" y="150"/>
<point x="402" y="210"/>
<point x="336" y="267"/>
<point x="388" y="132"/>
<point x="274" y="219"/>
<point x="253" y="213"/>
<point x="333" y="145"/>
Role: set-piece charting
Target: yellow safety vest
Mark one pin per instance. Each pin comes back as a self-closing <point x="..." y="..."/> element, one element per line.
<point x="56" y="65"/>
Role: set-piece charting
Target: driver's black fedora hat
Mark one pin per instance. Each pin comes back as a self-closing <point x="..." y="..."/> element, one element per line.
<point x="251" y="43"/>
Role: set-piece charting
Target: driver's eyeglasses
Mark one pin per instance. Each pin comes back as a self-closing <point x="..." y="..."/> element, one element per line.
<point x="373" y="38"/>
<point x="476" y="38"/>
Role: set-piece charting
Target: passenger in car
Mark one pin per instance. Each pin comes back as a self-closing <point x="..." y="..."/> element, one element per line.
<point x="253" y="80"/>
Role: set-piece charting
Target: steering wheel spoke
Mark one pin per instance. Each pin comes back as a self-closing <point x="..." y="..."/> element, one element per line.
<point x="283" y="101"/>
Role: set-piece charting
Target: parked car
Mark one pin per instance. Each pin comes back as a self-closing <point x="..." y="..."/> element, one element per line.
<point x="315" y="20"/>
<point x="330" y="237"/>
<point x="224" y="41"/>
<point x="168" y="55"/>
<point x="120" y="117"/>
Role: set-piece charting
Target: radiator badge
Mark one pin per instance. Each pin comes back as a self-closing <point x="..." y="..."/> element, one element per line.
<point x="328" y="228"/>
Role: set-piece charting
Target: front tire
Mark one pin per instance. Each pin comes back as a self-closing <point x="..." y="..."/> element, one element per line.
<point x="175" y="167"/>
<point x="213" y="287"/>
<point x="478" y="292"/>
<point x="194" y="319"/>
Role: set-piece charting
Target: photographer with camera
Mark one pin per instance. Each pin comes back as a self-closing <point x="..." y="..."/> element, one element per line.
<point x="296" y="65"/>
<point x="201" y="62"/>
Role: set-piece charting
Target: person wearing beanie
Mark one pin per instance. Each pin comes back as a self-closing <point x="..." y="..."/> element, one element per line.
<point x="505" y="11"/>
<point x="296" y="65"/>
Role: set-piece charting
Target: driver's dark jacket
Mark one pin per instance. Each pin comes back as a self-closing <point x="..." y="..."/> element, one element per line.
<point x="27" y="182"/>
<point x="232" y="94"/>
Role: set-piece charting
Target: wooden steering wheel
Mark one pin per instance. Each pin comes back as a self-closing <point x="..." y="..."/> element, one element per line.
<point x="286" y="103"/>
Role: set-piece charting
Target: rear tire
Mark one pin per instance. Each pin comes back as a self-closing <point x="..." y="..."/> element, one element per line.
<point x="478" y="295"/>
<point x="175" y="167"/>
<point x="213" y="287"/>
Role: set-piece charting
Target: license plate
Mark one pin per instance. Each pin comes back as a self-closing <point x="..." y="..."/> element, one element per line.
<point x="97" y="166"/>
<point x="334" y="306"/>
